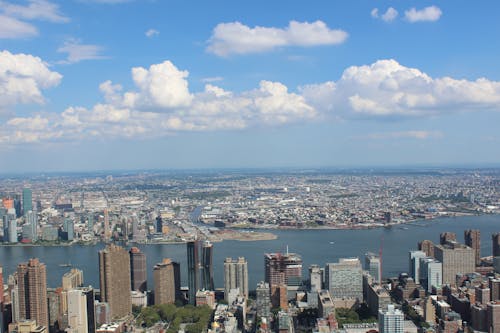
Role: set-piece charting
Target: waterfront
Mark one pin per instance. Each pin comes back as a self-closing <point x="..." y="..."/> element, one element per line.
<point x="315" y="246"/>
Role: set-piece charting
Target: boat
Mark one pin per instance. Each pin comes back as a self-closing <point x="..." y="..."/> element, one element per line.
<point x="332" y="242"/>
<point x="65" y="265"/>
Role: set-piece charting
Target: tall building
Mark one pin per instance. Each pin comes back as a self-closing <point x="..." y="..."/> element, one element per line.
<point x="446" y="237"/>
<point x="236" y="276"/>
<point x="90" y="299"/>
<point x="32" y="292"/>
<point x="391" y="321"/>
<point x="495" y="238"/>
<point x="207" y="277"/>
<point x="138" y="270"/>
<point x="345" y="278"/>
<point x="114" y="278"/>
<point x="493" y="316"/>
<point x="159" y="224"/>
<point x="373" y="266"/>
<point x="315" y="279"/>
<point x="27" y="200"/>
<point x="107" y="227"/>
<point x="473" y="239"/>
<point x="69" y="229"/>
<point x="283" y="269"/>
<point x="414" y="267"/>
<point x="193" y="268"/>
<point x="426" y="246"/>
<point x="263" y="300"/>
<point x="431" y="273"/>
<point x="31" y="219"/>
<point x="166" y="276"/>
<point x="456" y="259"/>
<point x="77" y="311"/>
<point x="72" y="279"/>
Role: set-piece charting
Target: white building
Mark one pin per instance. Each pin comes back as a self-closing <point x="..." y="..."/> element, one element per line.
<point x="391" y="321"/>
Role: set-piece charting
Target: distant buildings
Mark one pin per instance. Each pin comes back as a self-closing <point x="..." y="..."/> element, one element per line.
<point x="27" y="200"/>
<point x="114" y="277"/>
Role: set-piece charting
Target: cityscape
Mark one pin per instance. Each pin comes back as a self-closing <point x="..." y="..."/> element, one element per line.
<point x="257" y="166"/>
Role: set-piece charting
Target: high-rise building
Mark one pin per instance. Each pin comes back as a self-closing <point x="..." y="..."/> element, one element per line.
<point x="391" y="321"/>
<point x="207" y="277"/>
<point x="193" y="268"/>
<point x="446" y="237"/>
<point x="236" y="276"/>
<point x="373" y="266"/>
<point x="431" y="273"/>
<point x="426" y="246"/>
<point x="159" y="224"/>
<point x="69" y="229"/>
<point x="473" y="239"/>
<point x="32" y="292"/>
<point x="166" y="276"/>
<point x="90" y="299"/>
<point x="263" y="300"/>
<point x="456" y="259"/>
<point x="107" y="227"/>
<point x="495" y="238"/>
<point x="345" y="278"/>
<point x="114" y="278"/>
<point x="493" y="316"/>
<point x="414" y="267"/>
<point x="77" y="311"/>
<point x="483" y="294"/>
<point x="283" y="269"/>
<point x="27" y="200"/>
<point x="30" y="219"/>
<point x="315" y="280"/>
<point x="72" y="279"/>
<point x="138" y="270"/>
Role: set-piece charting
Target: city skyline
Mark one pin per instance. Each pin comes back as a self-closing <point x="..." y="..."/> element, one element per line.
<point x="249" y="85"/>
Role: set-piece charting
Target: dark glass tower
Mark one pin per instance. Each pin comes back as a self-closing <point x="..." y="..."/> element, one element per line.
<point x="193" y="262"/>
<point x="138" y="276"/>
<point x="207" y="278"/>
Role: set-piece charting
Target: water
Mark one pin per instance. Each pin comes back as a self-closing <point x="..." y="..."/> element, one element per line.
<point x="315" y="246"/>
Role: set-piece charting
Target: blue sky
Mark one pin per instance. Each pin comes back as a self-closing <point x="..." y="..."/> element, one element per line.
<point x="110" y="84"/>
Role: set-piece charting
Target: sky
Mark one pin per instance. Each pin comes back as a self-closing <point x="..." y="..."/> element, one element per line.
<point x="180" y="84"/>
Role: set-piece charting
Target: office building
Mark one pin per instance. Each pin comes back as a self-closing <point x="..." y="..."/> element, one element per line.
<point x="77" y="311"/>
<point x="138" y="270"/>
<point x="472" y="239"/>
<point x="159" y="224"/>
<point x="391" y="321"/>
<point x="456" y="259"/>
<point x="30" y="219"/>
<point x="426" y="246"/>
<point x="495" y="238"/>
<point x="166" y="276"/>
<point x="207" y="276"/>
<point x="446" y="237"/>
<point x="373" y="266"/>
<point x="114" y="278"/>
<point x="325" y="304"/>
<point x="236" y="276"/>
<point x="483" y="294"/>
<point x="193" y="270"/>
<point x="263" y="300"/>
<point x="345" y="279"/>
<point x="72" y="279"/>
<point x="431" y="273"/>
<point x="315" y="278"/>
<point x="107" y="227"/>
<point x="493" y="316"/>
<point x="27" y="200"/>
<point x="283" y="269"/>
<point x="32" y="292"/>
<point x="68" y="230"/>
<point x="414" y="267"/>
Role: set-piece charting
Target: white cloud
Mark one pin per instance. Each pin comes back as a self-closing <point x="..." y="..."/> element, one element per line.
<point x="374" y="13"/>
<point x="77" y="51"/>
<point x="237" y="38"/>
<point x="431" y="14"/>
<point x="212" y="79"/>
<point x="151" y="33"/>
<point x="35" y="10"/>
<point x="413" y="134"/>
<point x="22" y="77"/>
<point x="13" y="28"/>
<point x="389" y="15"/>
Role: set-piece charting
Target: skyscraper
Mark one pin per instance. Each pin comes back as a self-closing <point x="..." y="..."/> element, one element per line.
<point x="426" y="246"/>
<point x="138" y="270"/>
<point x="114" y="278"/>
<point x="32" y="291"/>
<point x="193" y="267"/>
<point x="446" y="237"/>
<point x="391" y="321"/>
<point x="283" y="269"/>
<point x="263" y="300"/>
<point x="166" y="277"/>
<point x="472" y="239"/>
<point x="27" y="200"/>
<point x="373" y="266"/>
<point x="456" y="259"/>
<point x="77" y="311"/>
<point x="207" y="277"/>
<point x="431" y="273"/>
<point x="31" y="219"/>
<point x="236" y="276"/>
<point x="345" y="278"/>
<point x="107" y="227"/>
<point x="315" y="280"/>
<point x="414" y="261"/>
<point x="72" y="279"/>
<point x="495" y="238"/>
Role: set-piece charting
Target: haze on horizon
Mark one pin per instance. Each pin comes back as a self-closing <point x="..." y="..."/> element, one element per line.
<point x="124" y="84"/>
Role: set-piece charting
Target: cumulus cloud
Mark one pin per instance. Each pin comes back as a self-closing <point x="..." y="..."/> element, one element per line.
<point x="389" y="15"/>
<point x="22" y="78"/>
<point x="429" y="14"/>
<point x="237" y="38"/>
<point x="76" y="51"/>
<point x="151" y="33"/>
